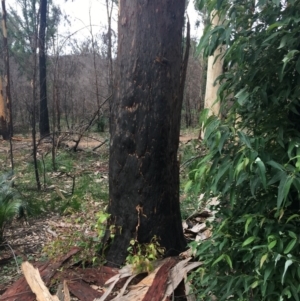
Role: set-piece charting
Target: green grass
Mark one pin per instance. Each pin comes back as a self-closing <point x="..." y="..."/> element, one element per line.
<point x="91" y="184"/>
<point x="190" y="154"/>
<point x="74" y="181"/>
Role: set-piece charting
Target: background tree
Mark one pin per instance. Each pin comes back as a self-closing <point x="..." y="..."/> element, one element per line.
<point x="44" y="115"/>
<point x="109" y="10"/>
<point x="3" y="123"/>
<point x="214" y="70"/>
<point x="6" y="116"/>
<point x="145" y="124"/>
<point x="193" y="91"/>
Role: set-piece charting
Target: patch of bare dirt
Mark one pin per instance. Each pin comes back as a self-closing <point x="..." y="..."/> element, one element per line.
<point x="188" y="137"/>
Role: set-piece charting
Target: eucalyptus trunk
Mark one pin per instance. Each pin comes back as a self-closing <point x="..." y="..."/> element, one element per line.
<point x="145" y="125"/>
<point x="6" y="115"/>
<point x="214" y="70"/>
<point x="44" y="115"/>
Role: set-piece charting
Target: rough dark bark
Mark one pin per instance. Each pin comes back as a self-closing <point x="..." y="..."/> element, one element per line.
<point x="8" y="130"/>
<point x="44" y="115"/>
<point x="145" y="125"/>
<point x="34" y="108"/>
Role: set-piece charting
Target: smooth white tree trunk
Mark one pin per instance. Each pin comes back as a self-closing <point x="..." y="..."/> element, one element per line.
<point x="214" y="69"/>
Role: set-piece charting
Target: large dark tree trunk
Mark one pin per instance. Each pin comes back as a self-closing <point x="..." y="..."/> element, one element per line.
<point x="7" y="130"/>
<point x="44" y="115"/>
<point x="145" y="125"/>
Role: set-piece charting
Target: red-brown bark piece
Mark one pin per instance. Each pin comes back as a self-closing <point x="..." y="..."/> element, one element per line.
<point x="83" y="291"/>
<point x="20" y="290"/>
<point x="97" y="276"/>
<point x="157" y="290"/>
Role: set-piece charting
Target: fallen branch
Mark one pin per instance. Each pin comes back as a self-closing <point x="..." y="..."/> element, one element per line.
<point x="95" y="148"/>
<point x="89" y="124"/>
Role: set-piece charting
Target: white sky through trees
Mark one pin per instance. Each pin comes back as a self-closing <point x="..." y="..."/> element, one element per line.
<point x="79" y="12"/>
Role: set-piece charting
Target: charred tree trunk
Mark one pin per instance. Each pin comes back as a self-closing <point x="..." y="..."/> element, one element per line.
<point x="44" y="115"/>
<point x="34" y="109"/>
<point x="145" y="125"/>
<point x="8" y="131"/>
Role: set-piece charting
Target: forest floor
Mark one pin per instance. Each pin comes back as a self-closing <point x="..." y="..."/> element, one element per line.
<point x="64" y="213"/>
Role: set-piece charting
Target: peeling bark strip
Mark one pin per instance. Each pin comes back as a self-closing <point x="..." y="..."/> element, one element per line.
<point x="157" y="290"/>
<point x="36" y="283"/>
<point x="145" y="125"/>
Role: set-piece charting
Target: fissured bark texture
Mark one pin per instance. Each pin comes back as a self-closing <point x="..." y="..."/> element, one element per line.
<point x="145" y="125"/>
<point x="44" y="114"/>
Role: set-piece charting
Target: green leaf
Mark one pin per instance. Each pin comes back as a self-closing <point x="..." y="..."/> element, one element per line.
<point x="295" y="292"/>
<point x="292" y="217"/>
<point x="228" y="260"/>
<point x="290" y="246"/>
<point x="221" y="171"/>
<point x="275" y="165"/>
<point x="286" y="266"/>
<point x="267" y="273"/>
<point x="292" y="234"/>
<point x="272" y="244"/>
<point x="283" y="41"/>
<point x="188" y="185"/>
<point x="249" y="220"/>
<point x="287" y="59"/>
<point x="254" y="284"/>
<point x="263" y="259"/>
<point x="211" y="126"/>
<point x="283" y="189"/>
<point x="276" y="178"/>
<point x="262" y="172"/>
<point x="242" y="96"/>
<point x="223" y="224"/>
<point x="254" y="182"/>
<point x="248" y="241"/>
<point x="296" y="184"/>
<point x="203" y="116"/>
<point x="218" y="259"/>
<point x="244" y="139"/>
<point x="292" y="145"/>
<point x="102" y="217"/>
<point x="278" y="257"/>
<point x="272" y="26"/>
<point x="271" y="37"/>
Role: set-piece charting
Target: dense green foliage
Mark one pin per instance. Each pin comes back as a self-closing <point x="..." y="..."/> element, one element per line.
<point x="253" y="159"/>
